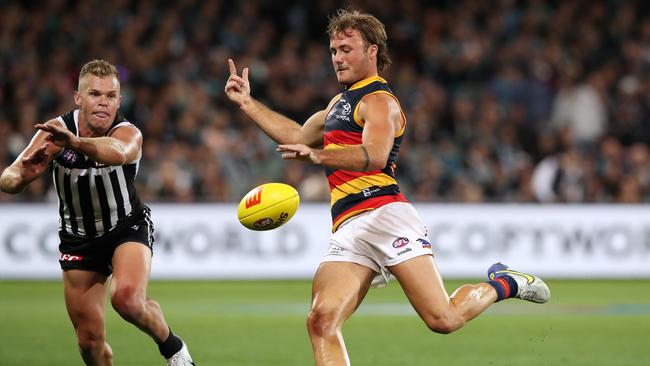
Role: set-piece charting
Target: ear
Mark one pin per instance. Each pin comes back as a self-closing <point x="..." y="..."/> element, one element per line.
<point x="77" y="98"/>
<point x="372" y="51"/>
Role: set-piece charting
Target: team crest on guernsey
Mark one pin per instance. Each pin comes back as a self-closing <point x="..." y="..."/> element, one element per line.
<point x="342" y="110"/>
<point x="70" y="156"/>
<point x="347" y="108"/>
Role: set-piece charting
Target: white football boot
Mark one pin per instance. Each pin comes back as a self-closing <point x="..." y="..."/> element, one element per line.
<point x="181" y="358"/>
<point x="530" y="287"/>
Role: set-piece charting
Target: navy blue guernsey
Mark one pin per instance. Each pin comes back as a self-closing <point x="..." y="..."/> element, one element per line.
<point x="355" y="192"/>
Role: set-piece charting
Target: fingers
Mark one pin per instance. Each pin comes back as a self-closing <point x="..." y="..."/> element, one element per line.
<point x="293" y="147"/>
<point x="238" y="79"/>
<point x="231" y="66"/>
<point x="233" y="85"/>
<point x="244" y="74"/>
<point x="38" y="154"/>
<point x="45" y="128"/>
<point x="289" y="155"/>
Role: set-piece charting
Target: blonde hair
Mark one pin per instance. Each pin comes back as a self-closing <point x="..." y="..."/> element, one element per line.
<point x="371" y="29"/>
<point x="99" y="68"/>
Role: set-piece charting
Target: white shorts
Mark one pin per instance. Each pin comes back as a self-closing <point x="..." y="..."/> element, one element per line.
<point x="380" y="238"/>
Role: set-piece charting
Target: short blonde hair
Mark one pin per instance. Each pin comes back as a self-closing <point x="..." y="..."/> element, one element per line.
<point x="371" y="29"/>
<point x="99" y="68"/>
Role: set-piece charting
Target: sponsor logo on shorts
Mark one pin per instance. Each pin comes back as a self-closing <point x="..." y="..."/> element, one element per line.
<point x="425" y="243"/>
<point x="400" y="242"/>
<point x="335" y="250"/>
<point x="70" y="258"/>
<point x="404" y="251"/>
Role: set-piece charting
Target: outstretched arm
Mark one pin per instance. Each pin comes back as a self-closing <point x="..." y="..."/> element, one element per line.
<point x="123" y="145"/>
<point x="278" y="127"/>
<point x="383" y="120"/>
<point x="30" y="164"/>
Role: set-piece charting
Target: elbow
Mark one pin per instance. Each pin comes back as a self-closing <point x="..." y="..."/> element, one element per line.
<point x="10" y="189"/>
<point x="9" y="186"/>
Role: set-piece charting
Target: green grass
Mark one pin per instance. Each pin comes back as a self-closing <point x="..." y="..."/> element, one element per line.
<point x="262" y="323"/>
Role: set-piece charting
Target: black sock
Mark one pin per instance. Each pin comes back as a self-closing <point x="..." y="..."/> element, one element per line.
<point x="170" y="346"/>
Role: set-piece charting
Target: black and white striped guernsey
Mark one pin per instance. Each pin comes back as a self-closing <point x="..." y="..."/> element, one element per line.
<point x="93" y="198"/>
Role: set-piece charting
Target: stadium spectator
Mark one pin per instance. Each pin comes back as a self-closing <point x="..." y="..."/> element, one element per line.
<point x="534" y="76"/>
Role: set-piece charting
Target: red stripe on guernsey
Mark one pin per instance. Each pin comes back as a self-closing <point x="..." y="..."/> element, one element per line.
<point x="342" y="137"/>
<point x="339" y="177"/>
<point x="367" y="204"/>
<point x="505" y="285"/>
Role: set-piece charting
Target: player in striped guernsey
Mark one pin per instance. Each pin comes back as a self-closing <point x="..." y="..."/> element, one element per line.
<point x="376" y="232"/>
<point x="104" y="229"/>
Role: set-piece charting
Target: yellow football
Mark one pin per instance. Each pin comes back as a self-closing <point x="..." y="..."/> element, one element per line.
<point x="268" y="206"/>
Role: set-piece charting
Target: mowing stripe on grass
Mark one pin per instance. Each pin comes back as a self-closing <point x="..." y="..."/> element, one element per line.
<point x="401" y="309"/>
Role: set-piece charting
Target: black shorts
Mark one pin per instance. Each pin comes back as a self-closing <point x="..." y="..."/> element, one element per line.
<point x="96" y="254"/>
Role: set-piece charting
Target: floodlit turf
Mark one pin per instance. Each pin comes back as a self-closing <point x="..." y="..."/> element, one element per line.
<point x="262" y="323"/>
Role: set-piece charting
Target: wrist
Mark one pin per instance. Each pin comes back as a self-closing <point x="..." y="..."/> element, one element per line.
<point x="246" y="102"/>
<point x="75" y="142"/>
<point x="317" y="156"/>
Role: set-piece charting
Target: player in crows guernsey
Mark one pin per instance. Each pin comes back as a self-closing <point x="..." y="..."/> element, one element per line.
<point x="375" y="230"/>
<point x="105" y="229"/>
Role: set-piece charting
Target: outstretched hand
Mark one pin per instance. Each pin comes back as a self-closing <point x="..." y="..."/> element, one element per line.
<point x="35" y="163"/>
<point x="298" y="152"/>
<point x="59" y="135"/>
<point x="238" y="88"/>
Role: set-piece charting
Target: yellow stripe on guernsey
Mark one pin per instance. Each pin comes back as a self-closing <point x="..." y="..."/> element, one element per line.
<point x="357" y="185"/>
<point x="361" y="123"/>
<point x="333" y="145"/>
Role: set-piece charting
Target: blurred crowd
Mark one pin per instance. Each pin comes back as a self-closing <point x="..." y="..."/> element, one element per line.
<point x="506" y="101"/>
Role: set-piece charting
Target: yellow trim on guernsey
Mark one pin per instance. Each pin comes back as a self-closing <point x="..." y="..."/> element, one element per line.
<point x="363" y="82"/>
<point x="359" y="184"/>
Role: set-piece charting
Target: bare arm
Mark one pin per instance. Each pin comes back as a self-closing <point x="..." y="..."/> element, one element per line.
<point x="30" y="164"/>
<point x="383" y="120"/>
<point x="277" y="126"/>
<point x="123" y="145"/>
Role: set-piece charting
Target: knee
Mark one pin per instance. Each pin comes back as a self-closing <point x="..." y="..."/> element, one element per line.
<point x="90" y="340"/>
<point x="128" y="302"/>
<point x="443" y="324"/>
<point x="323" y="321"/>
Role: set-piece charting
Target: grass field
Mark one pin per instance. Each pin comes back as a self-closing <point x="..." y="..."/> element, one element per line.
<point x="262" y="323"/>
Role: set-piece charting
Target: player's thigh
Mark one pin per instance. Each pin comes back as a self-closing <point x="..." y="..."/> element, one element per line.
<point x="340" y="287"/>
<point x="131" y="268"/>
<point x="85" y="297"/>
<point x="422" y="284"/>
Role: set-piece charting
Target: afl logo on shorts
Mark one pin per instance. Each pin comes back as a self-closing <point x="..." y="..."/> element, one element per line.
<point x="400" y="242"/>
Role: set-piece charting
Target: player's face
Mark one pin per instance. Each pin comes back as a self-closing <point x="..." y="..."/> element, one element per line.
<point x="98" y="100"/>
<point x="352" y="58"/>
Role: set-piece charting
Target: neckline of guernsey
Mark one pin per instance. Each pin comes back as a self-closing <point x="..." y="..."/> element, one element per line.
<point x="366" y="81"/>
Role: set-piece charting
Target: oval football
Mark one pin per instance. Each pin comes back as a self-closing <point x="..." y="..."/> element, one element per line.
<point x="268" y="206"/>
